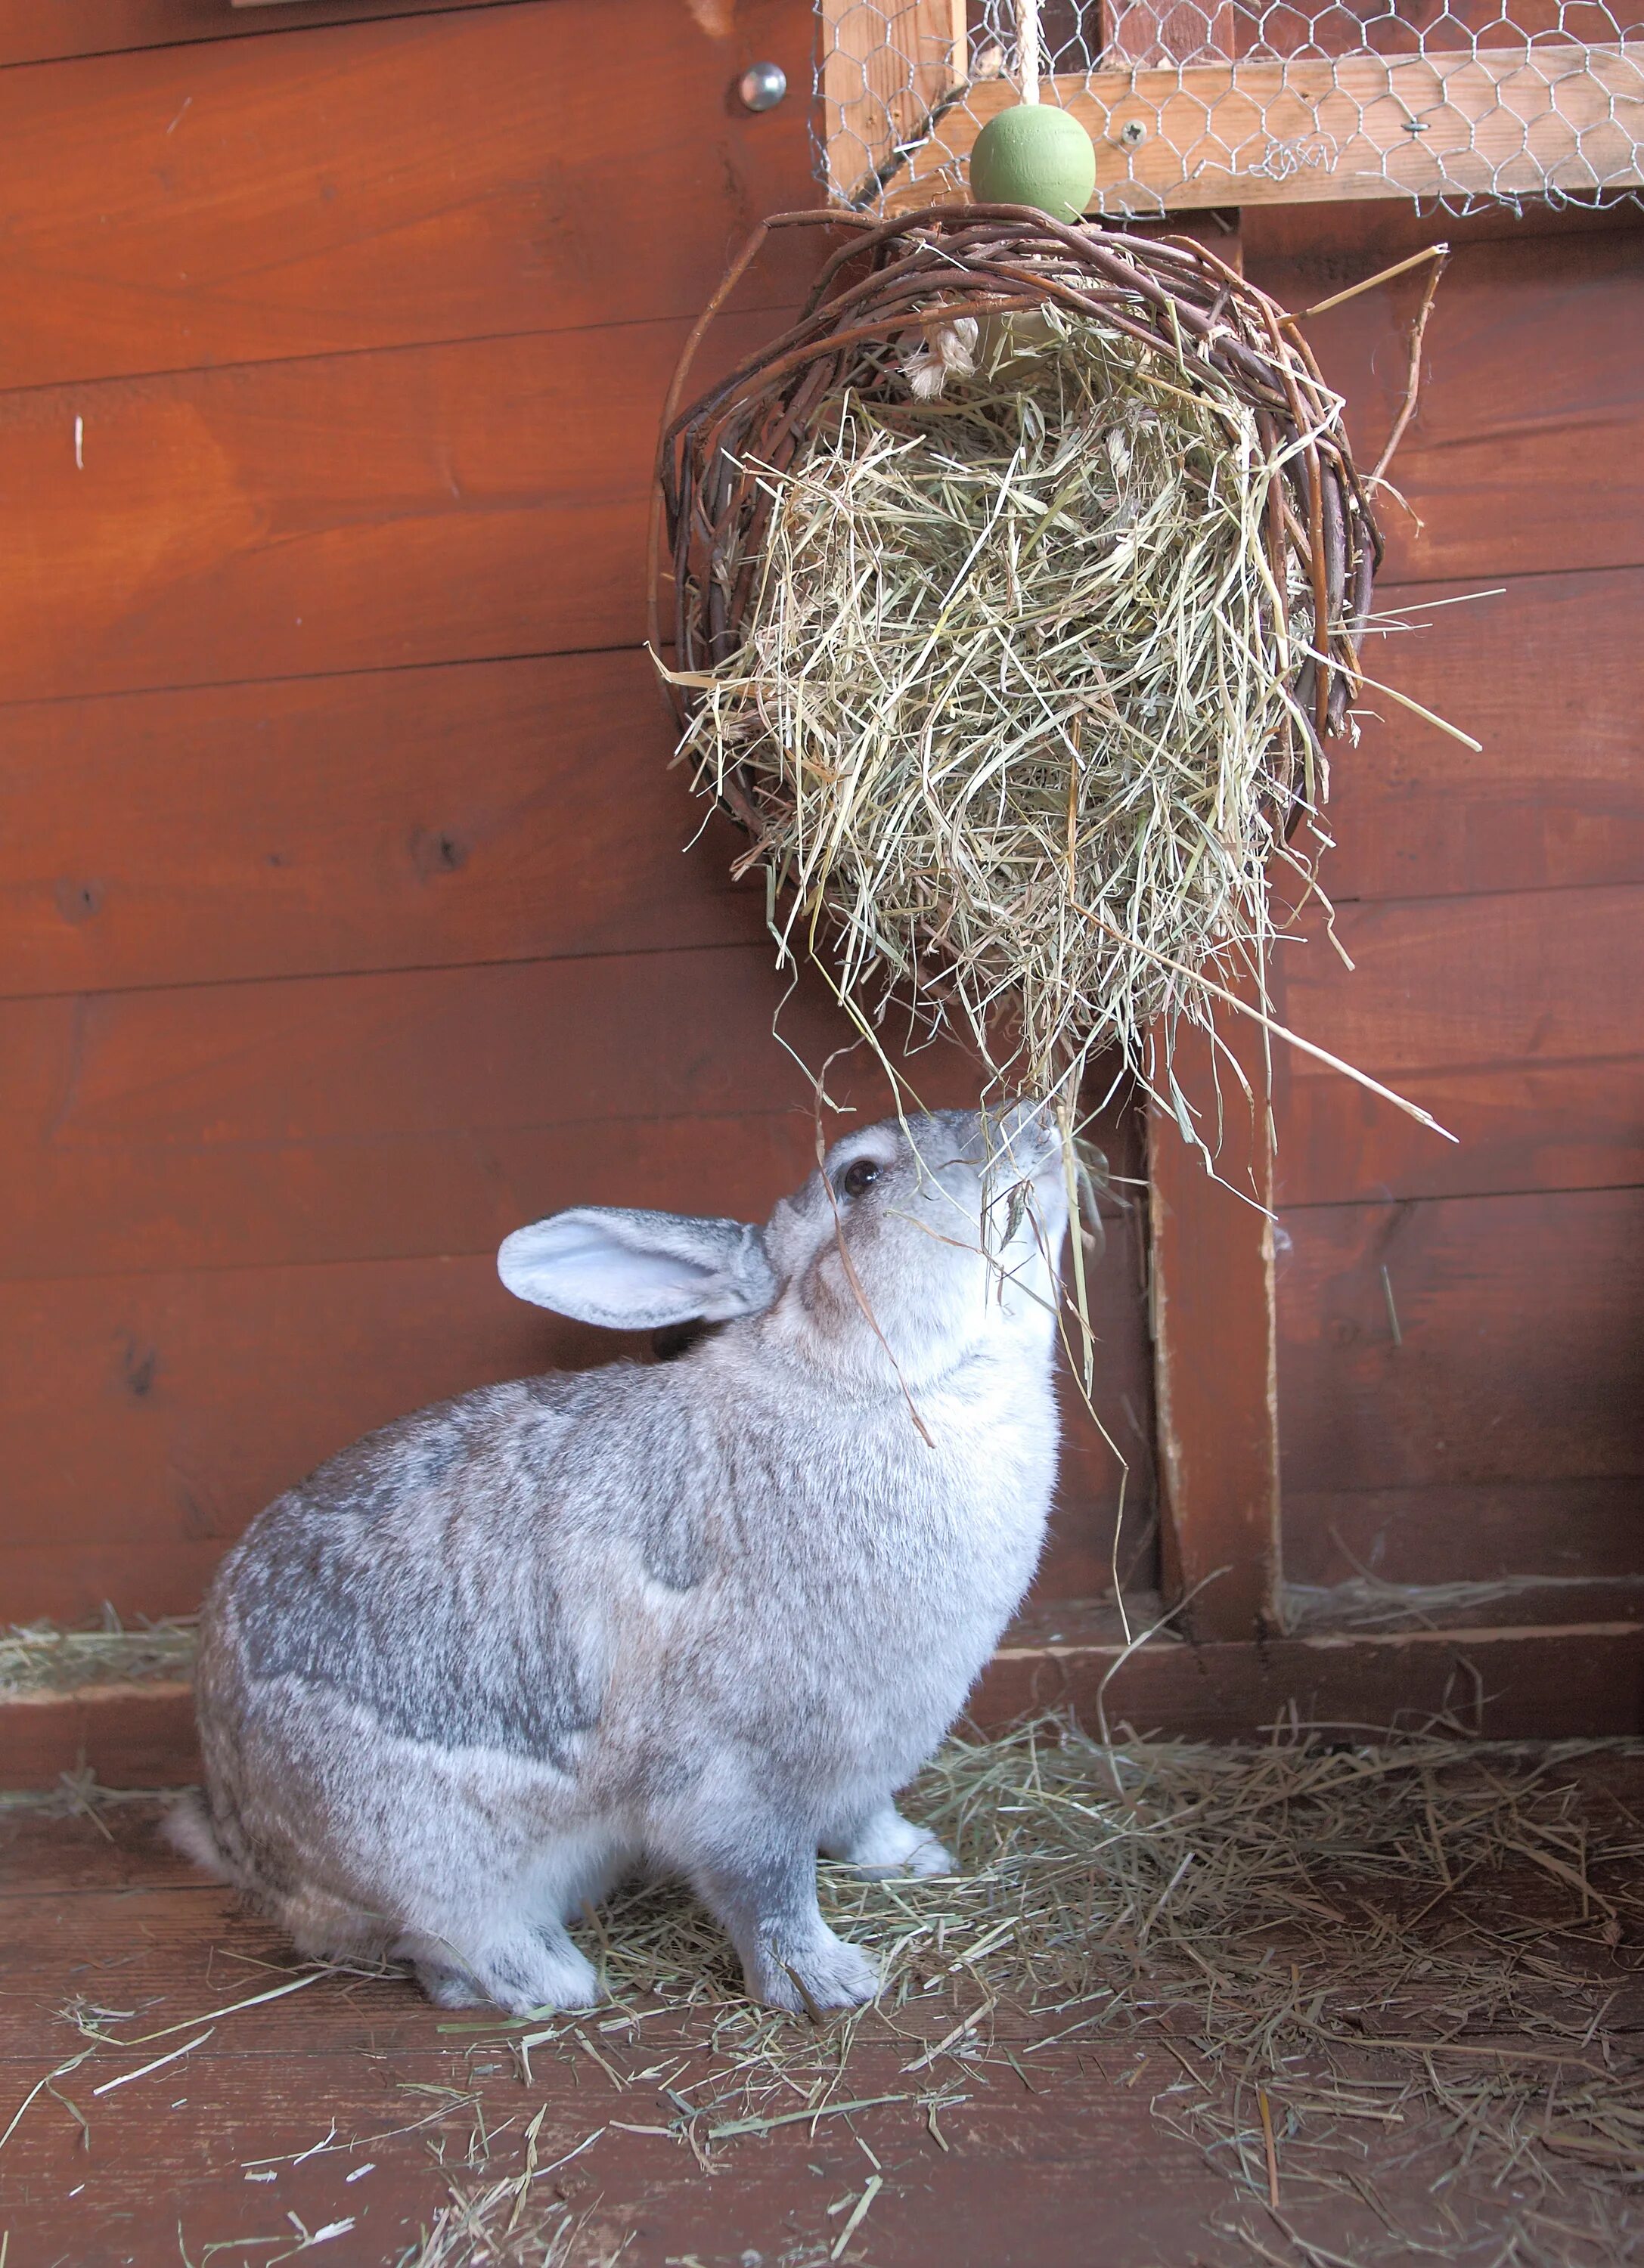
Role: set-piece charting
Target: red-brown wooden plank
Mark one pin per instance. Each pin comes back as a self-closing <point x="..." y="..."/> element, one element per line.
<point x="1549" y="676"/>
<point x="462" y="501"/>
<point x="1529" y="1682"/>
<point x="1323" y="251"/>
<point x="1525" y="326"/>
<point x="1210" y="1308"/>
<point x="1106" y="1513"/>
<point x="1495" y="982"/>
<point x="37" y="1857"/>
<point x="1524" y="1684"/>
<point x="430" y="1112"/>
<point x="146" y="1419"/>
<point x="30" y="34"/>
<point x="495" y="811"/>
<point x="1076" y="2151"/>
<point x="1567" y="1531"/>
<point x="1517" y="1352"/>
<point x="358" y="512"/>
<point x="1511" y="1018"/>
<point x="312" y="824"/>
<point x="1523" y="457"/>
<point x="140" y="1735"/>
<point x="528" y="169"/>
<point x="1525" y="976"/>
<point x="1519" y="1126"/>
<point x="425" y="1111"/>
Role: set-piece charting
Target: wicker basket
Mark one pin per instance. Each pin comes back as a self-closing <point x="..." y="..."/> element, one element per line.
<point x="886" y="284"/>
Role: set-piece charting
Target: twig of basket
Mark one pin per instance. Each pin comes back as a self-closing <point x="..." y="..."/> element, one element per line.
<point x="1412" y="384"/>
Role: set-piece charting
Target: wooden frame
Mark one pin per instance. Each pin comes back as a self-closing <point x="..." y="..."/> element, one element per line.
<point x="1172" y="138"/>
<point x="1215" y="1343"/>
<point x="1506" y="121"/>
<point x="1523" y="1682"/>
<point x="886" y="65"/>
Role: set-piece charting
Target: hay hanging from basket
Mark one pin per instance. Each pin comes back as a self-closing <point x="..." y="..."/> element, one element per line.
<point x="1017" y="588"/>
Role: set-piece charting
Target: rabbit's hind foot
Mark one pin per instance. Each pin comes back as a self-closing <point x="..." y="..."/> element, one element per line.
<point x="524" y="1970"/>
<point x="886" y="1843"/>
<point x="325" y="1927"/>
<point x="449" y="1988"/>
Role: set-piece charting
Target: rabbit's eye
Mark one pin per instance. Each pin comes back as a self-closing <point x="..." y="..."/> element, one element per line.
<point x="860" y="1175"/>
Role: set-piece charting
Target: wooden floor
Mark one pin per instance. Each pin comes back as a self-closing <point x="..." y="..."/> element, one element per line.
<point x="347" y="2116"/>
<point x="124" y="1923"/>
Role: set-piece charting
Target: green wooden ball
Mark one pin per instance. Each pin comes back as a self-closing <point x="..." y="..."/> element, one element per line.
<point x="1034" y="155"/>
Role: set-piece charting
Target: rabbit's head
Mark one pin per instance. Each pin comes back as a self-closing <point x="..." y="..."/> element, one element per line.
<point x="915" y="1242"/>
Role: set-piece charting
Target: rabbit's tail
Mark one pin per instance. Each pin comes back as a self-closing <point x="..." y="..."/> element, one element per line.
<point x="188" y="1828"/>
<point x="324" y="1927"/>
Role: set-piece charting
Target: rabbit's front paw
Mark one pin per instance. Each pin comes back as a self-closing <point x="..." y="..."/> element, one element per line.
<point x="823" y="1972"/>
<point x="550" y="1973"/>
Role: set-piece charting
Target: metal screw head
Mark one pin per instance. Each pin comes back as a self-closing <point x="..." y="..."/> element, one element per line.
<point x="1132" y="134"/>
<point x="762" y="86"/>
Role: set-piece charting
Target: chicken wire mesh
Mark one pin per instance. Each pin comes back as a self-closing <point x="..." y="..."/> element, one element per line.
<point x="1195" y="103"/>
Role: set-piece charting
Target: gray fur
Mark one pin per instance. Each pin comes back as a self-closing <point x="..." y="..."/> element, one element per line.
<point x="705" y="1615"/>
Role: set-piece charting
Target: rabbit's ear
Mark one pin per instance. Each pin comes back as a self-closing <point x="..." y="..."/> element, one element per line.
<point x="637" y="1271"/>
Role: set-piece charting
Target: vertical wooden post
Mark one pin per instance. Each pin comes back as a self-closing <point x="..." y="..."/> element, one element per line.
<point x="1215" y="1343"/>
<point x="885" y="64"/>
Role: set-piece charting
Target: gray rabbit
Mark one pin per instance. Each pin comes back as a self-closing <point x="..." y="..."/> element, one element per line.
<point x="704" y="1616"/>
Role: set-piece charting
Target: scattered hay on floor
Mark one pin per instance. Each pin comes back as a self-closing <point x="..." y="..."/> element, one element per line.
<point x="1415" y="1942"/>
<point x="503" y="2221"/>
<point x="1387" y="1987"/>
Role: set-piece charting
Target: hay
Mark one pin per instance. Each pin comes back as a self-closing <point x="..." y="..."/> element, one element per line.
<point x="506" y="2221"/>
<point x="1410" y="1942"/>
<point x="1011" y="665"/>
<point x="1017" y="588"/>
<point x="45" y="1657"/>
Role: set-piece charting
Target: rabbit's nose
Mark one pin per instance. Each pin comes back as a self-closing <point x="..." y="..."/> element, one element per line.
<point x="1027" y="1132"/>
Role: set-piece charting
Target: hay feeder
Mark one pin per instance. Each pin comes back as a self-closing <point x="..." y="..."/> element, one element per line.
<point x="1017" y="588"/>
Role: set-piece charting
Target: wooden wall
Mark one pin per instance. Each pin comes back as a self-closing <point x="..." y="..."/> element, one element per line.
<point x="1462" y="1328"/>
<point x="345" y="921"/>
